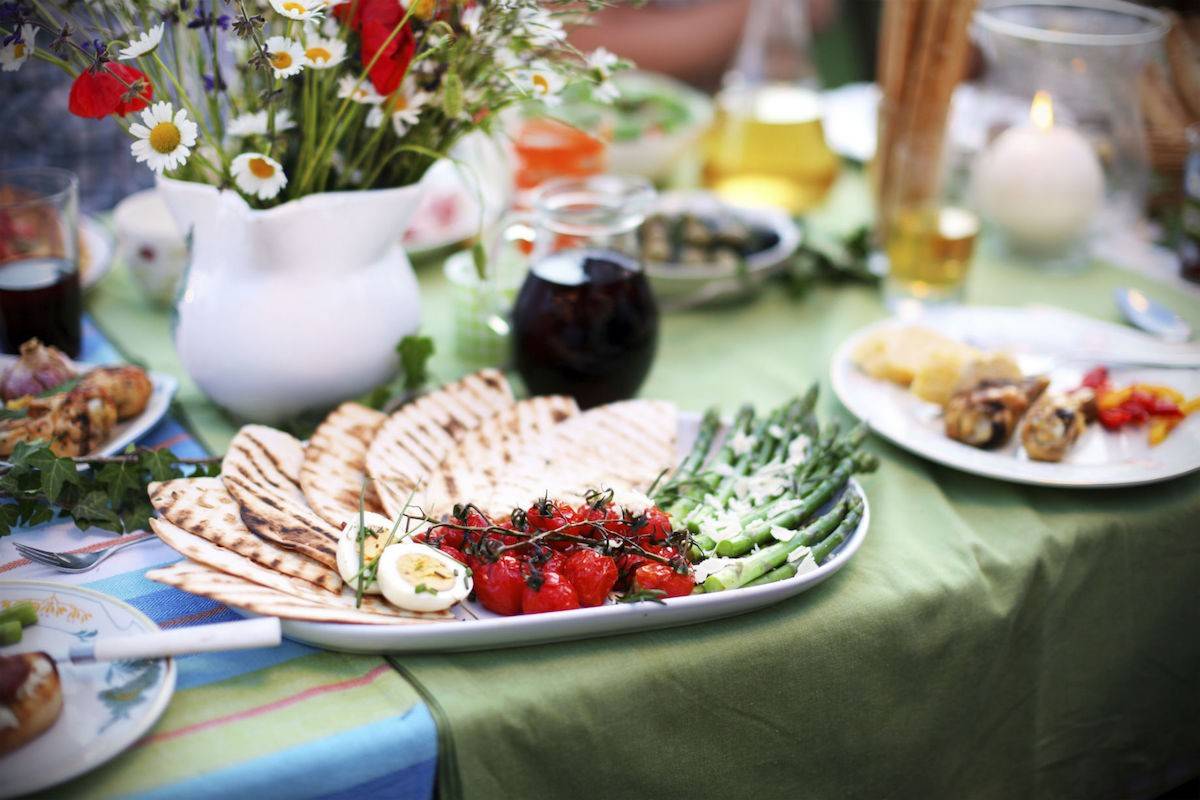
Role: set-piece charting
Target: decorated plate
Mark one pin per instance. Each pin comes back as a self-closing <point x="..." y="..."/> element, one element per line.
<point x="478" y="629"/>
<point x="1061" y="345"/>
<point x="106" y="706"/>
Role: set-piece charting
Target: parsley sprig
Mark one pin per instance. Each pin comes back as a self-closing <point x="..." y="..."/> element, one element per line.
<point x="36" y="486"/>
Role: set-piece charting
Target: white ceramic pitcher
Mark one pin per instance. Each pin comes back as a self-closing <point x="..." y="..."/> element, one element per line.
<point x="293" y="307"/>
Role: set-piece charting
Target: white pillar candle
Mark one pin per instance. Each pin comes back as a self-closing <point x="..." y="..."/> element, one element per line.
<point x="1041" y="183"/>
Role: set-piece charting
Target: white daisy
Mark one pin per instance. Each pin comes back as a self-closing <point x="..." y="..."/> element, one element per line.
<point x="165" y="141"/>
<point x="301" y="10"/>
<point x="330" y="27"/>
<point x="541" y="82"/>
<point x="324" y="53"/>
<point x="541" y="29"/>
<point x="602" y="63"/>
<point x="146" y="43"/>
<point x="258" y="174"/>
<point x="406" y="108"/>
<point x="18" y="51"/>
<point x="361" y="93"/>
<point x="471" y="19"/>
<point x="255" y="123"/>
<point x="374" y="117"/>
<point x="287" y="56"/>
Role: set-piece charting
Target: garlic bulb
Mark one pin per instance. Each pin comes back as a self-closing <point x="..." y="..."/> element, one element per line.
<point x="39" y="368"/>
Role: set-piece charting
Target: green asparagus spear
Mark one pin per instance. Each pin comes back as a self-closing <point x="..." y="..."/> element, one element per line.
<point x="822" y="549"/>
<point x="775" y="555"/>
<point x="778" y="574"/>
<point x="10" y="632"/>
<point x="704" y="440"/>
<point x="692" y="498"/>
<point x="22" y="612"/>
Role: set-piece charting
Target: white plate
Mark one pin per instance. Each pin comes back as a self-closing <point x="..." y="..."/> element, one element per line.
<point x="680" y="285"/>
<point x="127" y="432"/>
<point x="1061" y="345"/>
<point x="99" y="243"/>
<point x="491" y="631"/>
<point x="106" y="706"/>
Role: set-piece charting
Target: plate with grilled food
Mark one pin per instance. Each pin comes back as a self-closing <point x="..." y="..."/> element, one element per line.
<point x="471" y="519"/>
<point x="1031" y="395"/>
<point x="80" y="409"/>
<point x="59" y="719"/>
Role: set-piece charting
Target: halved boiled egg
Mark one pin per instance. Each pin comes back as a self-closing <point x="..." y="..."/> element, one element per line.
<point x="378" y="530"/>
<point x="417" y="577"/>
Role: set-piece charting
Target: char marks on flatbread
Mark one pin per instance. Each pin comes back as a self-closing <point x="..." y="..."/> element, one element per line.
<point x="240" y="593"/>
<point x="479" y="461"/>
<point x="335" y="463"/>
<point x="623" y="445"/>
<point x="416" y="439"/>
<point x="261" y="470"/>
<point x="202" y="506"/>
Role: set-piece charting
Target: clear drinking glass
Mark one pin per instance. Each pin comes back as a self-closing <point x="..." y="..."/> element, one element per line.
<point x="39" y="259"/>
<point x="585" y="322"/>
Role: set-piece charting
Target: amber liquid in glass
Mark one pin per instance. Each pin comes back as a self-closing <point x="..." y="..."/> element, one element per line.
<point x="929" y="252"/>
<point x="768" y="147"/>
<point x="585" y="324"/>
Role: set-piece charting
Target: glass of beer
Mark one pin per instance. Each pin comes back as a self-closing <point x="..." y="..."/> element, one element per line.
<point x="929" y="249"/>
<point x="39" y="259"/>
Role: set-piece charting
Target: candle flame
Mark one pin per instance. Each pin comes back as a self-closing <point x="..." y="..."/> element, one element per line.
<point x="1042" y="111"/>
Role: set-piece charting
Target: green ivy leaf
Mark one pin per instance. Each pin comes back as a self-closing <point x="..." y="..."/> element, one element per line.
<point x="120" y="478"/>
<point x="415" y="352"/>
<point x="55" y="472"/>
<point x="93" y="509"/>
<point x="160" y="464"/>
<point x="137" y="518"/>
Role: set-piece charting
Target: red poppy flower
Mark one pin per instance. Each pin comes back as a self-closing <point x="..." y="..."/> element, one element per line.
<point x="394" y="56"/>
<point x="353" y="14"/>
<point x="111" y="89"/>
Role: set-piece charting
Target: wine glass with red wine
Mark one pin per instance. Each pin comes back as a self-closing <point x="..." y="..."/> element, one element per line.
<point x="585" y="322"/>
<point x="40" y="295"/>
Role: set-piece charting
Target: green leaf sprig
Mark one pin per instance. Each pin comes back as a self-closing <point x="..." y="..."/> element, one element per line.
<point x="36" y="486"/>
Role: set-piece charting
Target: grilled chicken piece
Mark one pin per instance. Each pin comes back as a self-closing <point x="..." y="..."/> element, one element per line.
<point x="128" y="387"/>
<point x="75" y="422"/>
<point x="987" y="415"/>
<point x="1055" y="423"/>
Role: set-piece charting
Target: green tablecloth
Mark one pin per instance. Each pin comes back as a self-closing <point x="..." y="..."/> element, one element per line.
<point x="989" y="640"/>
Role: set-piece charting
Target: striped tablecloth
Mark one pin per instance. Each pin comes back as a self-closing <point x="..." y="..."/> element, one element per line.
<point x="290" y="721"/>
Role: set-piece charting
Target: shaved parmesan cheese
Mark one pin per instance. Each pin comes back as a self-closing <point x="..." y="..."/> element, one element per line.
<point x="711" y="566"/>
<point x="798" y="450"/>
<point x="723" y="469"/>
<point x="632" y="500"/>
<point x="782" y="534"/>
<point x="776" y="432"/>
<point x="725" y="525"/>
<point x="741" y="443"/>
<point x="798" y="554"/>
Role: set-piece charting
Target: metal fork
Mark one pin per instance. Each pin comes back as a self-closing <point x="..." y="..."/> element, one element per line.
<point x="73" y="562"/>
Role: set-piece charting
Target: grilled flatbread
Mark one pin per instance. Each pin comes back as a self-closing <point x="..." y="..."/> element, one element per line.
<point x="261" y="470"/>
<point x="416" y="439"/>
<point x="241" y="593"/>
<point x="478" y="462"/>
<point x="205" y="552"/>
<point x="335" y="463"/>
<point x="204" y="507"/>
<point x="622" y="445"/>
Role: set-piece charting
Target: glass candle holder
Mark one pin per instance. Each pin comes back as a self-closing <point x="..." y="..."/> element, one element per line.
<point x="1067" y="147"/>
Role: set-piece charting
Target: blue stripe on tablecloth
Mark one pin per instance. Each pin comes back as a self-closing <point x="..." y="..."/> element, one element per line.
<point x="395" y="757"/>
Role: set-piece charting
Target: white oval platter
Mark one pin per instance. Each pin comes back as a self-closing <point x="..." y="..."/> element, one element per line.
<point x="490" y="631"/>
<point x="1044" y="340"/>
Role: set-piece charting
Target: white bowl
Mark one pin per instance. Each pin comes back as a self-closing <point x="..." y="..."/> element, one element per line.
<point x="652" y="156"/>
<point x="150" y="243"/>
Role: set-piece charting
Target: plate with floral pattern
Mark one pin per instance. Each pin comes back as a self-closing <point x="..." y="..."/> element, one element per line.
<point x="107" y="706"/>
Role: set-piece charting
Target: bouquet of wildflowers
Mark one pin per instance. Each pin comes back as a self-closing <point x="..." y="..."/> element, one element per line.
<point x="286" y="98"/>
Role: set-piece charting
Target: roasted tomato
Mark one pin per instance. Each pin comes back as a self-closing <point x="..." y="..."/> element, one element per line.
<point x="548" y="591"/>
<point x="660" y="577"/>
<point x="500" y="586"/>
<point x="592" y="575"/>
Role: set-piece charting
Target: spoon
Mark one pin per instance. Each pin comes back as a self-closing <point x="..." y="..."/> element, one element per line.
<point x="1151" y="315"/>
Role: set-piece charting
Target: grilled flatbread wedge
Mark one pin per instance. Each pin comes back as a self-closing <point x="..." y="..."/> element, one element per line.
<point x="202" y="506"/>
<point x="335" y="463"/>
<point x="416" y="439"/>
<point x="205" y="552"/>
<point x="30" y="698"/>
<point x="622" y="445"/>
<point x="241" y="593"/>
<point x="261" y="470"/>
<point x="478" y="463"/>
